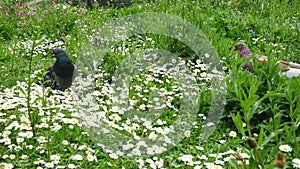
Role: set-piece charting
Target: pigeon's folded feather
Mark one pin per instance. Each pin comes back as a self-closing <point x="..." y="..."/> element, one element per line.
<point x="63" y="82"/>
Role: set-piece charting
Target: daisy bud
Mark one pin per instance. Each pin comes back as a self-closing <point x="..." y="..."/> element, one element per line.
<point x="280" y="160"/>
<point x="252" y="143"/>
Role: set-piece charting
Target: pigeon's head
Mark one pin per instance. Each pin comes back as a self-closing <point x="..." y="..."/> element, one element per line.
<point x="240" y="46"/>
<point x="244" y="51"/>
<point x="58" y="53"/>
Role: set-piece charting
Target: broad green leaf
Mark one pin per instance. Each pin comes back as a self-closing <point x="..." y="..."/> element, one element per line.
<point x="238" y="122"/>
<point x="261" y="136"/>
<point x="270" y="137"/>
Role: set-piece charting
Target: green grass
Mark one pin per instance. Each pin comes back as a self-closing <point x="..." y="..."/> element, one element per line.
<point x="45" y="125"/>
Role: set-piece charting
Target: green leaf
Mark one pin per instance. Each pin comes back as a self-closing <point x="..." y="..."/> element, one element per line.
<point x="234" y="164"/>
<point x="252" y="163"/>
<point x="238" y="122"/>
<point x="261" y="136"/>
<point x="270" y="137"/>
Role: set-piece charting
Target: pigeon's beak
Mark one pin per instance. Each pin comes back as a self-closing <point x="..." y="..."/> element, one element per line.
<point x="233" y="49"/>
<point x="53" y="55"/>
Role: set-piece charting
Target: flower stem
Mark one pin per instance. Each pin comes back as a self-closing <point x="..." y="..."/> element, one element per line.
<point x="29" y="90"/>
<point x="256" y="154"/>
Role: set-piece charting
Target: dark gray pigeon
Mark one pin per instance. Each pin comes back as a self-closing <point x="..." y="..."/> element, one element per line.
<point x="62" y="73"/>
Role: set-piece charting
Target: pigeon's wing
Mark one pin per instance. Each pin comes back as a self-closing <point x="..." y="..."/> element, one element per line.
<point x="64" y="83"/>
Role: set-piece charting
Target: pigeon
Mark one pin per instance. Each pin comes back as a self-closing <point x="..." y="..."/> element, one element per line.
<point x="290" y="69"/>
<point x="246" y="53"/>
<point x="62" y="74"/>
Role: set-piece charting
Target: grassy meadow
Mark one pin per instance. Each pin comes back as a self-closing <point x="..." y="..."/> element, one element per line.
<point x="44" y="128"/>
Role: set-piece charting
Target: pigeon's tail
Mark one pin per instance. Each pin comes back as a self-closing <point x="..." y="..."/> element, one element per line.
<point x="49" y="80"/>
